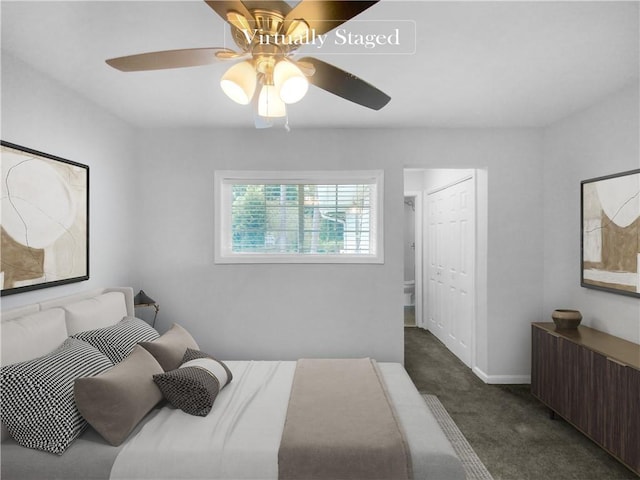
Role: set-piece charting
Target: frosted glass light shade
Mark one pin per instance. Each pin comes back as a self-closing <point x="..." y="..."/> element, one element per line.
<point x="239" y="82"/>
<point x="291" y="83"/>
<point x="270" y="104"/>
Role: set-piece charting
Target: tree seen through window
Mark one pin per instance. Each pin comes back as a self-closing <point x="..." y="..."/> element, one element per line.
<point x="304" y="218"/>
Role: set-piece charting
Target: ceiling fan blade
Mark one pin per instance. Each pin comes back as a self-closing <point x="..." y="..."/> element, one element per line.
<point x="225" y="54"/>
<point x="222" y="7"/>
<point x="191" y="57"/>
<point x="345" y="85"/>
<point x="324" y="16"/>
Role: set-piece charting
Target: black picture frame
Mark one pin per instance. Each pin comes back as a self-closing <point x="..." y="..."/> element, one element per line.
<point x="609" y="233"/>
<point x="44" y="226"/>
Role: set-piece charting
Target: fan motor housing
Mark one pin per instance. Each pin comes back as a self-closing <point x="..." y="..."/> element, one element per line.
<point x="268" y="25"/>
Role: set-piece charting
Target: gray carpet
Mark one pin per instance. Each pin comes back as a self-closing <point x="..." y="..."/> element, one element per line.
<point x="509" y="430"/>
<point x="473" y="466"/>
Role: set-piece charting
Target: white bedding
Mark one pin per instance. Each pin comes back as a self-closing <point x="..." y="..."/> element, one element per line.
<point x="240" y="438"/>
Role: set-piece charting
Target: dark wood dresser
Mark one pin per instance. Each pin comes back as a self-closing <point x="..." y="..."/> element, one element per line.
<point x="592" y="380"/>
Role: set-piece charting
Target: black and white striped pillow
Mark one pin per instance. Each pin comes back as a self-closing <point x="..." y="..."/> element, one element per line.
<point x="38" y="407"/>
<point x="119" y="340"/>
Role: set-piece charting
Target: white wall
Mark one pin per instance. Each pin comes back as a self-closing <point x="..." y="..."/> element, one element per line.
<point x="413" y="180"/>
<point x="41" y="114"/>
<point x="284" y="311"/>
<point x="601" y="140"/>
<point x="262" y="311"/>
<point x="152" y="224"/>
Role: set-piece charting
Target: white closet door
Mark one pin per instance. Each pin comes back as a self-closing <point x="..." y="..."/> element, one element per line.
<point x="436" y="262"/>
<point x="451" y="248"/>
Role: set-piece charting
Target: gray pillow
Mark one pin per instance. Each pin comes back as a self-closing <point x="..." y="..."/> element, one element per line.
<point x="194" y="386"/>
<point x="169" y="349"/>
<point x="115" y="401"/>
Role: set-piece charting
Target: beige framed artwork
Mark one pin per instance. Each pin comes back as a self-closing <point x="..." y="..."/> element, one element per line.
<point x="44" y="226"/>
<point x="610" y="245"/>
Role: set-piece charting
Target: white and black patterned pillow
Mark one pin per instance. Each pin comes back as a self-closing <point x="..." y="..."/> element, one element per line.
<point x="37" y="395"/>
<point x="192" y="354"/>
<point x="194" y="386"/>
<point x="119" y="340"/>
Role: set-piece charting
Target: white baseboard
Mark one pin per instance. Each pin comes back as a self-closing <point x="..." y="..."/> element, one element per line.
<point x="502" y="379"/>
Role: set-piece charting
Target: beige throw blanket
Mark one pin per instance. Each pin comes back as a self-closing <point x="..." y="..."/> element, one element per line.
<point x="340" y="425"/>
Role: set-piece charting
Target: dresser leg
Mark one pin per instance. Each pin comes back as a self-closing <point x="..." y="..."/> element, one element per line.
<point x="552" y="414"/>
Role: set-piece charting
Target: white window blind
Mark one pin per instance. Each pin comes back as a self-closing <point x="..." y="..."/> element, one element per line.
<point x="311" y="217"/>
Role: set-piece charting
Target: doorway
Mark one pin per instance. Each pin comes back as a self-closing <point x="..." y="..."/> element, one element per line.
<point x="448" y="241"/>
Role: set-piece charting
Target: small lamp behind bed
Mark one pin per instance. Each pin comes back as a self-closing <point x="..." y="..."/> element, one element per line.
<point x="144" y="300"/>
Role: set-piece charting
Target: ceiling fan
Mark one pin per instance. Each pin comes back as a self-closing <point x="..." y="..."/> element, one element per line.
<point x="267" y="74"/>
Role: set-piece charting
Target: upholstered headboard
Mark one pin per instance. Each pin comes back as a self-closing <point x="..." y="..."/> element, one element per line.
<point x="34" y="330"/>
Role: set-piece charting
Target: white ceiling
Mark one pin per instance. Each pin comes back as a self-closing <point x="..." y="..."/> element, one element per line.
<point x="502" y="64"/>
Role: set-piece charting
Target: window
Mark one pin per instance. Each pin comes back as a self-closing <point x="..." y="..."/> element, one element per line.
<point x="299" y="217"/>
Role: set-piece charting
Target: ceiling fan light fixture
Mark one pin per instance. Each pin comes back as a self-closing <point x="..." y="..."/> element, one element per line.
<point x="268" y="35"/>
<point x="297" y="32"/>
<point x="290" y="82"/>
<point x="270" y="105"/>
<point x="239" y="82"/>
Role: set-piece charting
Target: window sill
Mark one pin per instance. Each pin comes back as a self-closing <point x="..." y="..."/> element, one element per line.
<point x="297" y="259"/>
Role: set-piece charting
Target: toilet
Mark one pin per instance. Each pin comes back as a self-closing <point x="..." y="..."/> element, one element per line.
<point x="409" y="292"/>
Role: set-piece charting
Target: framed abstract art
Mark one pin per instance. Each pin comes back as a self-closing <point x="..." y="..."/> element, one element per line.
<point x="611" y="233"/>
<point x="44" y="227"/>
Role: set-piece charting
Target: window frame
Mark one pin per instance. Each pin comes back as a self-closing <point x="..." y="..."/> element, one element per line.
<point x="223" y="179"/>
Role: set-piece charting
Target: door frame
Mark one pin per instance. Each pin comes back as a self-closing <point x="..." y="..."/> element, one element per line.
<point x="417" y="196"/>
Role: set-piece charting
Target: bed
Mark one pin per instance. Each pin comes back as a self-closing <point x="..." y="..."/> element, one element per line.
<point x="259" y="418"/>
